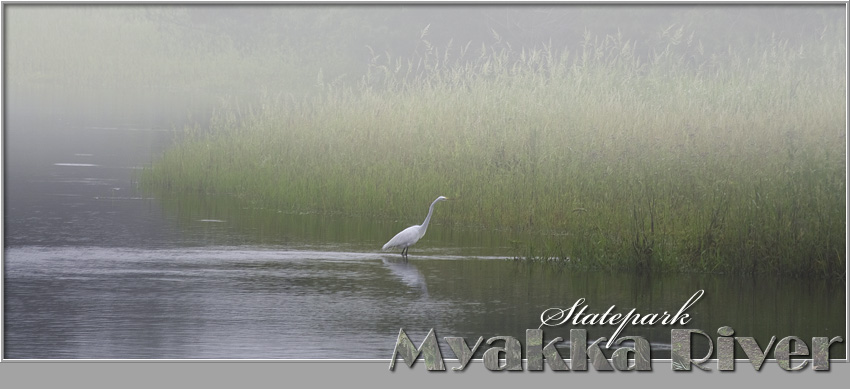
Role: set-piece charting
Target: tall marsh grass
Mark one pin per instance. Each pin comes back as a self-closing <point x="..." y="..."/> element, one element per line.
<point x="615" y="154"/>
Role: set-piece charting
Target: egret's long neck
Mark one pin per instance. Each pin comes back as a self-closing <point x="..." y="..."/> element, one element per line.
<point x="427" y="218"/>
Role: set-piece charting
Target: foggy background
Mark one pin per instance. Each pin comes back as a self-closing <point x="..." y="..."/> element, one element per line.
<point x="277" y="168"/>
<point x="240" y="49"/>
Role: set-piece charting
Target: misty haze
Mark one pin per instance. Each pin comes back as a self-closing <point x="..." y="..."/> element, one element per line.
<point x="217" y="181"/>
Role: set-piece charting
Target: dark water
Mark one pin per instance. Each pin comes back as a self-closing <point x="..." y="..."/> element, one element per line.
<point x="94" y="268"/>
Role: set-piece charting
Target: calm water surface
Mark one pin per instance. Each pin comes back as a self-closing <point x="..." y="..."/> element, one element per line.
<point x="94" y="268"/>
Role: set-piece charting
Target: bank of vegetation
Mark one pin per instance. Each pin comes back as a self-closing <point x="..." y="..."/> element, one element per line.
<point x="614" y="154"/>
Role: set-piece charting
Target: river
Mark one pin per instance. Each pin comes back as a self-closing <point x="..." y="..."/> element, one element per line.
<point x="95" y="268"/>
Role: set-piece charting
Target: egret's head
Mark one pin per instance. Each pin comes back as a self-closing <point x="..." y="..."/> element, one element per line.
<point x="441" y="198"/>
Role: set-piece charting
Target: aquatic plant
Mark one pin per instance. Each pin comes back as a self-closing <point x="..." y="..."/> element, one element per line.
<point x="660" y="158"/>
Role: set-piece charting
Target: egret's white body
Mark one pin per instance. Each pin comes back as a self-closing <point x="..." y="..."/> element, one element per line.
<point x="410" y="235"/>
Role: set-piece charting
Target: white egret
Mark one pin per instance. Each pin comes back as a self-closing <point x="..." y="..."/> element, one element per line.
<point x="410" y="235"/>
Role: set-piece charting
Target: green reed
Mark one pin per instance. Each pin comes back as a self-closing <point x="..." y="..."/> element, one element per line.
<point x="616" y="156"/>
